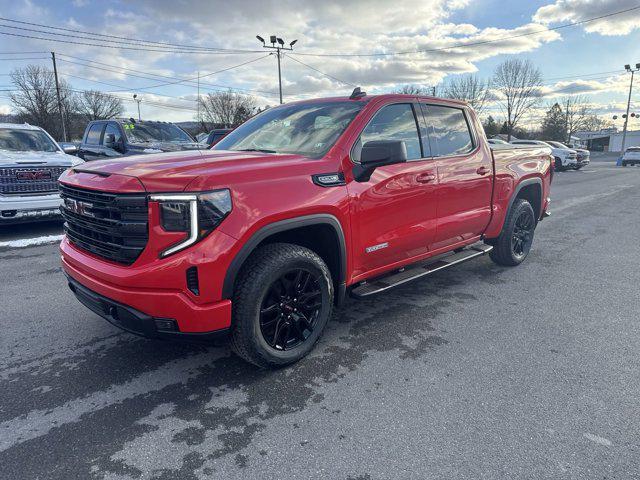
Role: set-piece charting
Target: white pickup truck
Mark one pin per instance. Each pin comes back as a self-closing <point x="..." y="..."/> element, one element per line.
<point x="30" y="163"/>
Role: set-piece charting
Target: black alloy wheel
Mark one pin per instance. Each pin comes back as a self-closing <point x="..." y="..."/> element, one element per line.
<point x="522" y="235"/>
<point x="290" y="309"/>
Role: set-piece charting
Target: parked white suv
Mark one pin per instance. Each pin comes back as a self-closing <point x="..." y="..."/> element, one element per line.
<point x="30" y="164"/>
<point x="631" y="156"/>
<point x="583" y="155"/>
<point x="565" y="157"/>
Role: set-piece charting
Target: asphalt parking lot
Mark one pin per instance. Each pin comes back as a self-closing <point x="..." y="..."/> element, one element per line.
<point x="478" y="372"/>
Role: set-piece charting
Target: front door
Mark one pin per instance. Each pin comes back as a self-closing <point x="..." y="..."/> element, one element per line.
<point x="393" y="216"/>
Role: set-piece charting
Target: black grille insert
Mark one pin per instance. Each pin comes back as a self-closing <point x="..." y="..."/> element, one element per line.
<point x="109" y="225"/>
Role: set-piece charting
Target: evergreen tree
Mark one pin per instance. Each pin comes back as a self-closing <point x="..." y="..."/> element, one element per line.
<point x="491" y="127"/>
<point x="554" y="124"/>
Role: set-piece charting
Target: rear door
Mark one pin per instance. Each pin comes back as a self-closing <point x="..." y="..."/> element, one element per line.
<point x="394" y="213"/>
<point x="465" y="175"/>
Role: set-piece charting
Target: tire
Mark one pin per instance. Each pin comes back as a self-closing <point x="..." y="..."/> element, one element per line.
<point x="271" y="326"/>
<point x="624" y="164"/>
<point x="521" y="223"/>
<point x="558" y="165"/>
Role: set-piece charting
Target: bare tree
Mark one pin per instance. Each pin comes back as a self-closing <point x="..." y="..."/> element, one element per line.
<point x="469" y="88"/>
<point x="94" y="105"/>
<point x="416" y="90"/>
<point x="577" y="111"/>
<point x="227" y="108"/>
<point x="34" y="98"/>
<point x="519" y="82"/>
<point x="594" y="123"/>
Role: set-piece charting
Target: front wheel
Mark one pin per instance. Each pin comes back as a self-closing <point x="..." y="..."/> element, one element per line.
<point x="283" y="301"/>
<point x="514" y="243"/>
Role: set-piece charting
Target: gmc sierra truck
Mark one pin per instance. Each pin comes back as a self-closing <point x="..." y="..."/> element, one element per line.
<point x="30" y="164"/>
<point x="260" y="237"/>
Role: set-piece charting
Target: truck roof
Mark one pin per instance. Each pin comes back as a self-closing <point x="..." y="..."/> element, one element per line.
<point x="367" y="98"/>
<point x="19" y="126"/>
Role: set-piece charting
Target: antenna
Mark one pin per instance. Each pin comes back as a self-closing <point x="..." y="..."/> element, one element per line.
<point x="357" y="93"/>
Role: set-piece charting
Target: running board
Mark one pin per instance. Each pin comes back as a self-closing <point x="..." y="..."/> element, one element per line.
<point x="411" y="272"/>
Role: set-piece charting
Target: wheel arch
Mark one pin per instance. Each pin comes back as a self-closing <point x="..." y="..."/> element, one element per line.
<point x="531" y="190"/>
<point x="321" y="233"/>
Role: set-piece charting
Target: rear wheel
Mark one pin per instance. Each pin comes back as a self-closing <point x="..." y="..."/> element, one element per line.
<point x="515" y="240"/>
<point x="558" y="165"/>
<point x="283" y="301"/>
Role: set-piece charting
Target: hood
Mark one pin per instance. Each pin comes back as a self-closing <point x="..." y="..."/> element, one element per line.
<point x="50" y="159"/>
<point x="173" y="172"/>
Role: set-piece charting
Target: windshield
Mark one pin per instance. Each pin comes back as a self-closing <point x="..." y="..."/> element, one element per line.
<point x="155" y="132"/>
<point x="557" y="144"/>
<point x="308" y="129"/>
<point x="633" y="149"/>
<point x="19" y="140"/>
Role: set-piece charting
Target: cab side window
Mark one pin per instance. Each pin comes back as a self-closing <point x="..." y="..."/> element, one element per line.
<point x="394" y="122"/>
<point x="93" y="135"/>
<point x="449" y="132"/>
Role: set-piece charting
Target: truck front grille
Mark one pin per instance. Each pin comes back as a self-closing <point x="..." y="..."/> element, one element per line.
<point x="109" y="225"/>
<point x="29" y="180"/>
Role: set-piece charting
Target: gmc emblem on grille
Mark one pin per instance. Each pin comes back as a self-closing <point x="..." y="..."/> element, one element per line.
<point x="33" y="175"/>
<point x="78" y="207"/>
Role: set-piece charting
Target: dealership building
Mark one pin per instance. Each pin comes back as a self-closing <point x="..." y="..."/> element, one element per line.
<point x="607" y="140"/>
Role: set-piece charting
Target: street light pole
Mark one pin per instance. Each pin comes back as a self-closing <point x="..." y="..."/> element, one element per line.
<point x="626" y="118"/>
<point x="277" y="44"/>
<point x="138" y="100"/>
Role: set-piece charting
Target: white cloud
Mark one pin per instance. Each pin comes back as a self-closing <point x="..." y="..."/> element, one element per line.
<point x="579" y="10"/>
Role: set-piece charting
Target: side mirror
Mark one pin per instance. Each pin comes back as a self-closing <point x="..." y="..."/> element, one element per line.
<point x="109" y="140"/>
<point x="70" y="149"/>
<point x="376" y="154"/>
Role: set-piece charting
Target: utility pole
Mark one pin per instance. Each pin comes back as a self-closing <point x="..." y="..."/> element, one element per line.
<point x="55" y="74"/>
<point x="277" y="44"/>
<point x="626" y="117"/>
<point x="138" y="100"/>
<point x="198" y="97"/>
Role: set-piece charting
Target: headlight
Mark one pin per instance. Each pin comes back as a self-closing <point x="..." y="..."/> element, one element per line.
<point x="196" y="214"/>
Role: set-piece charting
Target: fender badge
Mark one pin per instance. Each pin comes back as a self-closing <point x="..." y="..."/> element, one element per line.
<point x="373" y="248"/>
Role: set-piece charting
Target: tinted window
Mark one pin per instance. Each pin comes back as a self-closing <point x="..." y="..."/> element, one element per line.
<point x="448" y="130"/>
<point x="93" y="137"/>
<point x="394" y="122"/>
<point x="308" y="129"/>
<point x="111" y="128"/>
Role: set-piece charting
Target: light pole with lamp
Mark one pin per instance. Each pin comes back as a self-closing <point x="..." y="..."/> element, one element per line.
<point x="278" y="48"/>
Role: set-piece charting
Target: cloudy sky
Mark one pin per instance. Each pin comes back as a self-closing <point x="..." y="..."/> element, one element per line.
<point x="376" y="44"/>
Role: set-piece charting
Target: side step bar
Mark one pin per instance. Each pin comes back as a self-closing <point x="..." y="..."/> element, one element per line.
<point x="412" y="272"/>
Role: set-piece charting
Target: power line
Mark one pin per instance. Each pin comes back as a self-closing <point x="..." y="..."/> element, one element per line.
<point x="146" y="75"/>
<point x="321" y="72"/>
<point x="128" y="39"/>
<point x="471" y="44"/>
<point x="164" y="50"/>
<point x="23" y="58"/>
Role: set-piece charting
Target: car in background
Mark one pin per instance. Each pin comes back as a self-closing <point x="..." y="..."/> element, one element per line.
<point x="564" y="158"/>
<point x="497" y="141"/>
<point x="583" y="155"/>
<point x="631" y="156"/>
<point x="215" y="136"/>
<point x="105" y="139"/>
<point x="30" y="163"/>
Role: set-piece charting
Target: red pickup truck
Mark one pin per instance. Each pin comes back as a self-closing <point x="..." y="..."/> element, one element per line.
<point x="258" y="238"/>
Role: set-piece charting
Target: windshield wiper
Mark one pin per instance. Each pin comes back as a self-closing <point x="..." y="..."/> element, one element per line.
<point x="262" y="150"/>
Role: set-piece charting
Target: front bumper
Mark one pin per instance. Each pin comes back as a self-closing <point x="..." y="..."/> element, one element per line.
<point x="136" y="322"/>
<point x="142" y="305"/>
<point x="18" y="209"/>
